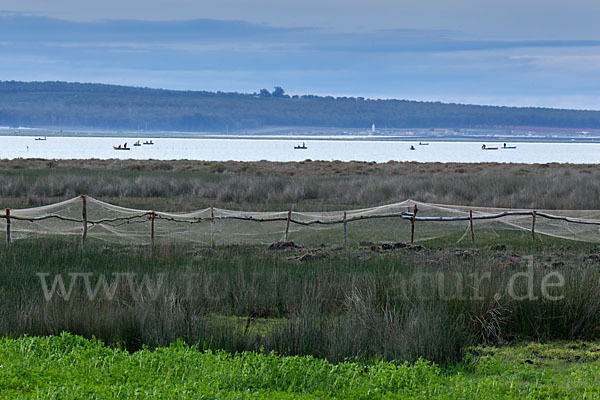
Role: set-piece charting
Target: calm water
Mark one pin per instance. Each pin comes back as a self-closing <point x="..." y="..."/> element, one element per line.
<point x="283" y="150"/>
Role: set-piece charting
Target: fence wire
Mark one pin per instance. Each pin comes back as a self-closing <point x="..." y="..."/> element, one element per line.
<point x="404" y="221"/>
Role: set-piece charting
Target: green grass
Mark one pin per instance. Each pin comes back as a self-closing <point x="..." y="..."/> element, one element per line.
<point x="70" y="367"/>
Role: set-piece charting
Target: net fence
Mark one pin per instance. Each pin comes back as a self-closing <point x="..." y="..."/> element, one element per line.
<point x="405" y="221"/>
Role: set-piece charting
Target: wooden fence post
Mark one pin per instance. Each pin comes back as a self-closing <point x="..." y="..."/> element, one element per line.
<point x="287" y="225"/>
<point x="345" y="230"/>
<point x="8" y="226"/>
<point x="533" y="225"/>
<point x="471" y="224"/>
<point x="84" y="218"/>
<point x="412" y="225"/>
<point x="212" y="227"/>
<point x="152" y="229"/>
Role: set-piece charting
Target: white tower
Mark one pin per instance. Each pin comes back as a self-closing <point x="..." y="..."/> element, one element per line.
<point x="373" y="127"/>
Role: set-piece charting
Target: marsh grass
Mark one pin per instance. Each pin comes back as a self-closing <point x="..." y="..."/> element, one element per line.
<point x="316" y="185"/>
<point x="396" y="305"/>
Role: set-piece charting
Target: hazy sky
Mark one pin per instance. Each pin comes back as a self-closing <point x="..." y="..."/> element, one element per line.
<point x="549" y="19"/>
<point x="528" y="52"/>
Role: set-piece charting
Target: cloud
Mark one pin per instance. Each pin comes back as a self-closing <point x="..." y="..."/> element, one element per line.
<point x="573" y="63"/>
<point x="242" y="56"/>
<point x="531" y="19"/>
<point x="23" y="28"/>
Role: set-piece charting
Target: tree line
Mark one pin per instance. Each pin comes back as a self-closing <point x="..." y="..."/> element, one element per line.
<point x="62" y="104"/>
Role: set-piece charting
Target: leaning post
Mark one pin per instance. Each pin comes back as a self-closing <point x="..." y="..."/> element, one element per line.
<point x="412" y="225"/>
<point x="8" y="226"/>
<point x="84" y="218"/>
<point x="212" y="227"/>
<point x="152" y="216"/>
<point x="345" y="229"/>
<point x="533" y="213"/>
<point x="287" y="225"/>
<point x="471" y="225"/>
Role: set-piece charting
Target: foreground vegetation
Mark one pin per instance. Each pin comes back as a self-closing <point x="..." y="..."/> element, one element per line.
<point x="288" y="321"/>
<point x="70" y="367"/>
<point x="390" y="302"/>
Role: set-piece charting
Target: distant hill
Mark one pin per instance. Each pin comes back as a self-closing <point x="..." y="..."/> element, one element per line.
<point x="61" y="104"/>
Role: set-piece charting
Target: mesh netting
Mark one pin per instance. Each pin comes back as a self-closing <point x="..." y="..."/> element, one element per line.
<point x="393" y="222"/>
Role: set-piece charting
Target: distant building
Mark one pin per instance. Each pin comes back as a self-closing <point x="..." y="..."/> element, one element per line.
<point x="373" y="127"/>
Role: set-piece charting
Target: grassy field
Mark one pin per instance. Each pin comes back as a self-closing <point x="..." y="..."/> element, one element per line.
<point x="385" y="302"/>
<point x="316" y="321"/>
<point x="69" y="367"/>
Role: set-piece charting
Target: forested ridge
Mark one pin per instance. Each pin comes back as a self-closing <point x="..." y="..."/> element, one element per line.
<point x="62" y="104"/>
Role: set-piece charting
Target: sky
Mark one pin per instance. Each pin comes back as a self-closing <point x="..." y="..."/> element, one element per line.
<point x="523" y="53"/>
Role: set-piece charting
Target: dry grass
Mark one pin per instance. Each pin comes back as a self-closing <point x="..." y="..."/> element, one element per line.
<point x="309" y="185"/>
<point x="302" y="168"/>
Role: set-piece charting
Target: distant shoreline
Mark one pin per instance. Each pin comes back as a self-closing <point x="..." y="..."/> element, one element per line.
<point x="313" y="137"/>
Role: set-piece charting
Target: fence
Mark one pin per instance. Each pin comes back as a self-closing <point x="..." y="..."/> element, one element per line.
<point x="409" y="220"/>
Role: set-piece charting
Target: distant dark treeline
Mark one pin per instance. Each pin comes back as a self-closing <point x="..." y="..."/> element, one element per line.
<point x="62" y="104"/>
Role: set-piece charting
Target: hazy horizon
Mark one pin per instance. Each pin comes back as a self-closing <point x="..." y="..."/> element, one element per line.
<point x="537" y="54"/>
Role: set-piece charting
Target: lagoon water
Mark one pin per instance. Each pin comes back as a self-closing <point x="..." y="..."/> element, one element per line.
<point x="279" y="149"/>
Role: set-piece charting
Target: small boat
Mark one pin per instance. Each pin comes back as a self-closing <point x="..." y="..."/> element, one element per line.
<point x="423" y="144"/>
<point x="303" y="147"/>
<point x="508" y="147"/>
<point x="412" y="147"/>
<point x="148" y="142"/>
<point x="484" y="147"/>
<point x="124" y="147"/>
<point x="137" y="143"/>
<point x="40" y="138"/>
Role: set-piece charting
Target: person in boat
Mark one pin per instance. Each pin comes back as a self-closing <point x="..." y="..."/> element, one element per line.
<point x="420" y="143"/>
<point x="119" y="146"/>
<point x="412" y="147"/>
<point x="504" y="145"/>
<point x="483" y="146"/>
